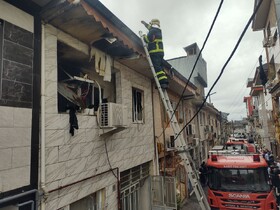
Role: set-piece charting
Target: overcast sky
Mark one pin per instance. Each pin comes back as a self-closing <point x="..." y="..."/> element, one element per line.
<point x="184" y="22"/>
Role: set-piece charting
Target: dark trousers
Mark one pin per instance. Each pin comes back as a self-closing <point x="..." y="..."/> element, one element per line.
<point x="157" y="60"/>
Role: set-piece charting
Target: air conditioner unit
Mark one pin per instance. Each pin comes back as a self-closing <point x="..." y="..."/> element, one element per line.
<point x="193" y="129"/>
<point x="195" y="142"/>
<point x="112" y="115"/>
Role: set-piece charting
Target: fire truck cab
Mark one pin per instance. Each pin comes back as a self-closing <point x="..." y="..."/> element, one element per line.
<point x="239" y="182"/>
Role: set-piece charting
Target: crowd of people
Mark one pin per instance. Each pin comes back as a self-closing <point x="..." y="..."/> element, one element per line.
<point x="273" y="171"/>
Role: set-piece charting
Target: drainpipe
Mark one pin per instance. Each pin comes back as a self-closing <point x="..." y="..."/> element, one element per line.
<point x="43" y="131"/>
<point x="43" y="117"/>
<point x="119" y="189"/>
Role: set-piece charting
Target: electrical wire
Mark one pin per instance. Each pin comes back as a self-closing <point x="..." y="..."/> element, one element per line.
<point x="233" y="106"/>
<point x="111" y="169"/>
<point x="204" y="43"/>
<point x="224" y="66"/>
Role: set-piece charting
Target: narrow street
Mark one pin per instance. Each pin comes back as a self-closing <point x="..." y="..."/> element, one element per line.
<point x="192" y="202"/>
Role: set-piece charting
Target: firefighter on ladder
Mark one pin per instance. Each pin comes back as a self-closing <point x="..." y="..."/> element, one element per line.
<point x="155" y="48"/>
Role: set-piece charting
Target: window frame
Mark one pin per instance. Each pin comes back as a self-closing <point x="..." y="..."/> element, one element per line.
<point x="137" y="105"/>
<point x="97" y="201"/>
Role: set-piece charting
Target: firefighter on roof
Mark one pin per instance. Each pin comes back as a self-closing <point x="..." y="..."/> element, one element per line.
<point x="155" y="48"/>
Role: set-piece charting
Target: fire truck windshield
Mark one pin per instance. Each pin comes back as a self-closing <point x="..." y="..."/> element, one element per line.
<point x="235" y="147"/>
<point x="229" y="179"/>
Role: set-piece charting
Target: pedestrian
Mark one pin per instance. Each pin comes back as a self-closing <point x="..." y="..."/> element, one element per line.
<point x="266" y="155"/>
<point x="203" y="174"/>
<point x="271" y="159"/>
<point x="155" y="49"/>
<point x="251" y="139"/>
<point x="275" y="180"/>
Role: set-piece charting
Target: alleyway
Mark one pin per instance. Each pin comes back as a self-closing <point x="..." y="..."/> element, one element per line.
<point x="192" y="202"/>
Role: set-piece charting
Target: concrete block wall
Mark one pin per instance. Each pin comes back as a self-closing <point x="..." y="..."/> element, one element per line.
<point x="73" y="158"/>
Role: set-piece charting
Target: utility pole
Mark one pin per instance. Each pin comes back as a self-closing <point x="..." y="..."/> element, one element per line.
<point x="210" y="96"/>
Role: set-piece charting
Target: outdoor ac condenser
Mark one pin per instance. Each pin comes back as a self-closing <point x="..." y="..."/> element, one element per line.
<point x="113" y="115"/>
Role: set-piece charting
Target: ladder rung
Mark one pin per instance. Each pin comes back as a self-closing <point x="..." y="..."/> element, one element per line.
<point x="183" y="148"/>
<point x="168" y="149"/>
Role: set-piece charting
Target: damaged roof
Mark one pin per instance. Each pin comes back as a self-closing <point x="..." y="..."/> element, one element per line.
<point x="92" y="23"/>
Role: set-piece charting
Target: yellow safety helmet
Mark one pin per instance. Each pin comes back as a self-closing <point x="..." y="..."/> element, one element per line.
<point x="155" y="22"/>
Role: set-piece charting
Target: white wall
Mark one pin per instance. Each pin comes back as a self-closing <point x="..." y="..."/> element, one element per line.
<point x="72" y="158"/>
<point x="15" y="123"/>
<point x="16" y="16"/>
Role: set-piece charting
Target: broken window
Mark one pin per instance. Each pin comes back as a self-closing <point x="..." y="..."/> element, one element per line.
<point x="79" y="84"/>
<point x="137" y="105"/>
<point x="74" y="92"/>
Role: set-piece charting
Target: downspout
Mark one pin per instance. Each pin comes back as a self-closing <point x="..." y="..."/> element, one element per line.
<point x="43" y="131"/>
<point x="119" y="189"/>
<point x="156" y="165"/>
<point x="199" y="141"/>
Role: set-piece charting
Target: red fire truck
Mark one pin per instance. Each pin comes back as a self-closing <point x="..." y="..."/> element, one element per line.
<point x="239" y="182"/>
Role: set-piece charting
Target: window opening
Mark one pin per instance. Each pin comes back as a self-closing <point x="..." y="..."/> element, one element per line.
<point x="95" y="201"/>
<point x="172" y="141"/>
<point x="79" y="84"/>
<point x="275" y="36"/>
<point x="189" y="129"/>
<point x="137" y="105"/>
<point x="130" y="182"/>
<point x="74" y="90"/>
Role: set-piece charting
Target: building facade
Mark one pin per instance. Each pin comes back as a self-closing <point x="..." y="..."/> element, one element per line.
<point x="267" y="20"/>
<point x="72" y="57"/>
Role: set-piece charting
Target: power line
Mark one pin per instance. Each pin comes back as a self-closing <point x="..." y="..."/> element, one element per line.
<point x="242" y="89"/>
<point x="223" y="68"/>
<point x="205" y="41"/>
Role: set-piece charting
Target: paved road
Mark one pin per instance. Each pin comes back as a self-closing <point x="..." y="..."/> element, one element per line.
<point x="192" y="203"/>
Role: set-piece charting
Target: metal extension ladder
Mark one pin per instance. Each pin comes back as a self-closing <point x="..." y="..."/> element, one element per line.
<point x="180" y="142"/>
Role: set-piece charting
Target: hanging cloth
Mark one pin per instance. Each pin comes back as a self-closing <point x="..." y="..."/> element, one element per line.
<point x="73" y="120"/>
<point x="103" y="63"/>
